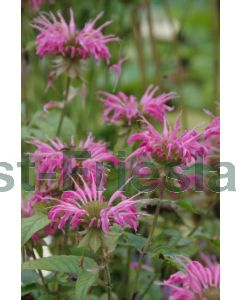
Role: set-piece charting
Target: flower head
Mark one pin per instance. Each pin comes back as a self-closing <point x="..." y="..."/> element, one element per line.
<point x="119" y="107"/>
<point x="195" y="283"/>
<point x="85" y="206"/>
<point x="123" y="107"/>
<point x="170" y="145"/>
<point x="56" y="37"/>
<point x="52" y="158"/>
<point x="48" y="159"/>
<point x="155" y="106"/>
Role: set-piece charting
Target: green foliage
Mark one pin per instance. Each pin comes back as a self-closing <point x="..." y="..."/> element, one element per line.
<point x="62" y="263"/>
<point x="133" y="240"/>
<point x="186" y="225"/>
<point x="84" y="282"/>
<point x="31" y="225"/>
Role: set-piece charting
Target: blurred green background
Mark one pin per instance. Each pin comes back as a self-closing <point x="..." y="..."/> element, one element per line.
<point x="171" y="43"/>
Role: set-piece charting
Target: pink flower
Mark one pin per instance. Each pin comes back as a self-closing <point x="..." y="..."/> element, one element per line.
<point x="212" y="136"/>
<point x="168" y="146"/>
<point x="196" y="283"/>
<point x="155" y="106"/>
<point x="56" y="37"/>
<point x="86" y="206"/>
<point x="53" y="158"/>
<point x="98" y="153"/>
<point x="48" y="159"/>
<point x="123" y="107"/>
<point x="117" y="68"/>
<point x="119" y="107"/>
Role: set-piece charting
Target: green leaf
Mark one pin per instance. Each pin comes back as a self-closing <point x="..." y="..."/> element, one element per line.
<point x="29" y="276"/>
<point x="95" y="240"/>
<point x="62" y="263"/>
<point x="47" y="124"/>
<point x="186" y="205"/>
<point x="134" y="240"/>
<point x="111" y="238"/>
<point x="31" y="225"/>
<point x="28" y="289"/>
<point x="84" y="282"/>
<point x="91" y="239"/>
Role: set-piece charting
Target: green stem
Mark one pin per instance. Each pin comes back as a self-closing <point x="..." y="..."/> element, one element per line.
<point x="147" y="245"/>
<point x="126" y="278"/>
<point x="148" y="287"/>
<point x="108" y="281"/>
<point x="64" y="106"/>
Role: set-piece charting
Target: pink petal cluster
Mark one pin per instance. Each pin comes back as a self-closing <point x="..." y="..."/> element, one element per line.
<point x="56" y="37"/>
<point x="86" y="206"/>
<point x="170" y="145"/>
<point x="119" y="107"/>
<point x="196" y="283"/>
<point x="155" y="106"/>
<point x="48" y="159"/>
<point x="98" y="153"/>
<point x="123" y="107"/>
<point x="52" y="159"/>
<point x="212" y="135"/>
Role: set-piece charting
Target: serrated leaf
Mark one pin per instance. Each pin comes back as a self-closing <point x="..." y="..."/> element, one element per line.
<point x="31" y="225"/>
<point x="62" y="263"/>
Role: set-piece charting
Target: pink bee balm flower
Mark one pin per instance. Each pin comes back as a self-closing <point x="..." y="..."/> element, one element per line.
<point x="212" y="134"/>
<point x="86" y="206"/>
<point x="123" y="107"/>
<point x="48" y="159"/>
<point x="155" y="106"/>
<point x="52" y="158"/>
<point x="119" y="107"/>
<point x="168" y="146"/>
<point x="98" y="153"/>
<point x="56" y="37"/>
<point x="195" y="283"/>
